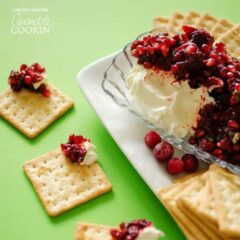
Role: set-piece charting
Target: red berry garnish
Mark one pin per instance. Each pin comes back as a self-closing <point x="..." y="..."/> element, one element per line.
<point x="175" y="166"/>
<point x="163" y="151"/>
<point x="28" y="80"/>
<point x="194" y="57"/>
<point x="27" y="77"/>
<point x="190" y="162"/>
<point x="152" y="138"/>
<point x="74" y="148"/>
<point x="23" y="67"/>
<point x="129" y="231"/>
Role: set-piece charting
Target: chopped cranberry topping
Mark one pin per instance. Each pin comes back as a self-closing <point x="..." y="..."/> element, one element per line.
<point x="192" y="56"/>
<point x="152" y="138"/>
<point x="175" y="166"/>
<point x="74" y="148"/>
<point x="27" y="77"/>
<point x="163" y="151"/>
<point x="190" y="162"/>
<point x="130" y="231"/>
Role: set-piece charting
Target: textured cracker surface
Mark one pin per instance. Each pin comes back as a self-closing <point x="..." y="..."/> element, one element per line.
<point x="226" y="190"/>
<point x="169" y="196"/>
<point x="85" y="231"/>
<point x="221" y="27"/>
<point x="30" y="112"/>
<point x="207" y="22"/>
<point x="175" y="22"/>
<point x="62" y="185"/>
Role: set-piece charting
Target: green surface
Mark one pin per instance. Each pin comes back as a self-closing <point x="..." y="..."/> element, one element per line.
<point x="81" y="32"/>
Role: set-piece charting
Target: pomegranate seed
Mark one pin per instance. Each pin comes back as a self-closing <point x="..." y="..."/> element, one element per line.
<point x="230" y="74"/>
<point x="236" y="147"/>
<point x="165" y="50"/>
<point x="135" y="53"/>
<point x="233" y="124"/>
<point x="237" y="86"/>
<point x="23" y="67"/>
<point x="191" y="49"/>
<point x="163" y="151"/>
<point x="140" y="49"/>
<point x="175" y="166"/>
<point x="147" y="65"/>
<point x="28" y="80"/>
<point x="150" y="50"/>
<point x="190" y="162"/>
<point x="152" y="138"/>
<point x="205" y="48"/>
<point x="217" y="152"/>
<point x="200" y="133"/>
<point x="206" y="145"/>
<point x="188" y="30"/>
<point x="231" y="68"/>
<point x="145" y="41"/>
<point x="211" y="62"/>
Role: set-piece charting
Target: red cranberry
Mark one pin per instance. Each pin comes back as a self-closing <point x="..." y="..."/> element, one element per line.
<point x="175" y="166"/>
<point x="190" y="162"/>
<point x="163" y="151"/>
<point x="74" y="148"/>
<point x="152" y="138"/>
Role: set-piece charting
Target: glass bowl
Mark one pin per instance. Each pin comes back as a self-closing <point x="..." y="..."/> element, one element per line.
<point x="114" y="85"/>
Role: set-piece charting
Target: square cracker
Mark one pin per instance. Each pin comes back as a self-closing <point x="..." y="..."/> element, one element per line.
<point x="160" y="21"/>
<point x="232" y="40"/>
<point x="169" y="195"/>
<point x="86" y="231"/>
<point x="226" y="191"/>
<point x="221" y="27"/>
<point x="207" y="22"/>
<point x="31" y="113"/>
<point x="191" y="19"/>
<point x="175" y="22"/>
<point x="62" y="185"/>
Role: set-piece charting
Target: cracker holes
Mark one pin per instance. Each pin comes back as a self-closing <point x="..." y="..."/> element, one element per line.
<point x="61" y="166"/>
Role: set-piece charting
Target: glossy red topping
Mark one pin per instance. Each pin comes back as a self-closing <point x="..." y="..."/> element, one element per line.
<point x="74" y="148"/>
<point x="192" y="56"/>
<point x="27" y="77"/>
<point x="130" y="231"/>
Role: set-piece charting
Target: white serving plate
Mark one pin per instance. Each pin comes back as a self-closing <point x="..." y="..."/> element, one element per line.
<point x="125" y="128"/>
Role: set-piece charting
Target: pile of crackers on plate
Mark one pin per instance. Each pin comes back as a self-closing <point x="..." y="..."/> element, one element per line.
<point x="205" y="205"/>
<point x="221" y="29"/>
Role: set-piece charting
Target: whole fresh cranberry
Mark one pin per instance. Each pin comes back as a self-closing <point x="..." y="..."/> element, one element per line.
<point x="175" y="165"/>
<point x="190" y="162"/>
<point x="163" y="151"/>
<point x="152" y="138"/>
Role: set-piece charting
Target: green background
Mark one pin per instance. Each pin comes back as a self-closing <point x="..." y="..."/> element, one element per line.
<point x="82" y="31"/>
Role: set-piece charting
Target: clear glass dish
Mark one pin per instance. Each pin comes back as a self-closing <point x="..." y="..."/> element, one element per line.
<point x="114" y="85"/>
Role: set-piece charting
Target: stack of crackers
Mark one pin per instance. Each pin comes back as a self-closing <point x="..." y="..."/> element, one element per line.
<point x="221" y="29"/>
<point x="205" y="205"/>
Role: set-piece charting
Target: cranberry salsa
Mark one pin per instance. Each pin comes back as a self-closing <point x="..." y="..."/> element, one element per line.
<point x="74" y="149"/>
<point x="131" y="230"/>
<point x="30" y="78"/>
<point x="194" y="57"/>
